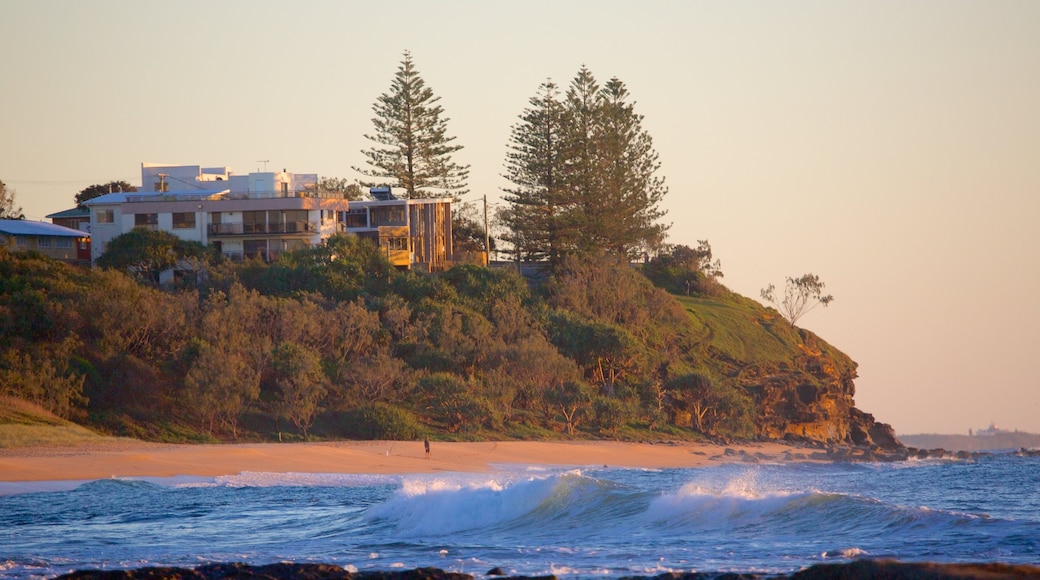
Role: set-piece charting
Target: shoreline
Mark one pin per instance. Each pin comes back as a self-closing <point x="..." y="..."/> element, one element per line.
<point x="134" y="458"/>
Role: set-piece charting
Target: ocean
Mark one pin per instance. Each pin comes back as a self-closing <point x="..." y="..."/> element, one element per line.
<point x="576" y="523"/>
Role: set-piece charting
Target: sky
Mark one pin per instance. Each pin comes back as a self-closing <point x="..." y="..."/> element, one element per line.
<point x="892" y="148"/>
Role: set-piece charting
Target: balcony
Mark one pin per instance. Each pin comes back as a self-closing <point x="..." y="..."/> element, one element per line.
<point x="266" y="256"/>
<point x="243" y="229"/>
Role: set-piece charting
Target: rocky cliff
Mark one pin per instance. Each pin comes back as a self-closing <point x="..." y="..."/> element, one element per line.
<point x="812" y="399"/>
<point x="802" y="387"/>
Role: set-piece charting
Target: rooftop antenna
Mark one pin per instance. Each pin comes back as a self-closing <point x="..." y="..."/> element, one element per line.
<point x="264" y="161"/>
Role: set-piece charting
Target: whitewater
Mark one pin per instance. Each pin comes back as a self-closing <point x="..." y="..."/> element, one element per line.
<point x="576" y="523"/>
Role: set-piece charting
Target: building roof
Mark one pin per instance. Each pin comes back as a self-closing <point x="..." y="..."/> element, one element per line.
<point x="31" y="228"/>
<point x="70" y="213"/>
<point x="114" y="197"/>
<point x="120" y="197"/>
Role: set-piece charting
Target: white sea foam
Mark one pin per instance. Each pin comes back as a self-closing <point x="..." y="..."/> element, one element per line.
<point x="845" y="553"/>
<point x="736" y="499"/>
<point x="292" y="479"/>
<point x="438" y="506"/>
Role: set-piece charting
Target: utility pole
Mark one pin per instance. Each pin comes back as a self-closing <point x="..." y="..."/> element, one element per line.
<point x="487" y="236"/>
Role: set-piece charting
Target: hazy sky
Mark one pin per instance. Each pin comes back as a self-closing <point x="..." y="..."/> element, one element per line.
<point x="892" y="148"/>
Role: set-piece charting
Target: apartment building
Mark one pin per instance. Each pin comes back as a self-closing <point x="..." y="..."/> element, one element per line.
<point x="260" y="214"/>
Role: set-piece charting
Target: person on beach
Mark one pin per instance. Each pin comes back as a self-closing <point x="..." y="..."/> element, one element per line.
<point x="426" y="443"/>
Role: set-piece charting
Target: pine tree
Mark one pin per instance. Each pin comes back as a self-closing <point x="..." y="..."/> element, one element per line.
<point x="629" y="188"/>
<point x="584" y="173"/>
<point x="534" y="165"/>
<point x="413" y="149"/>
<point x="582" y="169"/>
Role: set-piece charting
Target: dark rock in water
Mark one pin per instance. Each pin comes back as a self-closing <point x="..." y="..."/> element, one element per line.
<point x="416" y="574"/>
<point x="280" y="571"/>
<point x="496" y="571"/>
<point x="143" y="573"/>
<point x="673" y="576"/>
<point x="855" y="570"/>
<point x="893" y="570"/>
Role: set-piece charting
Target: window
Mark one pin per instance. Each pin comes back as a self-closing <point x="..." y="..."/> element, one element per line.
<point x="295" y="220"/>
<point x="183" y="220"/>
<point x="254" y="222"/>
<point x="384" y="216"/>
<point x="104" y="216"/>
<point x="146" y="220"/>
<point x="23" y="241"/>
<point x="63" y="243"/>
<point x="255" y="248"/>
<point x="355" y="218"/>
<point x="397" y="243"/>
<point x="43" y="242"/>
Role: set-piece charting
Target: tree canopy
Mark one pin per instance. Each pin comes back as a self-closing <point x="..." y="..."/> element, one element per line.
<point x="8" y="210"/>
<point x="412" y="147"/>
<point x="338" y="186"/>
<point x="145" y="253"/>
<point x="99" y="189"/>
<point x="801" y="295"/>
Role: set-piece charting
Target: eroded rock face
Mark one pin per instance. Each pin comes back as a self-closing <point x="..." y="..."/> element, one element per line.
<point x="811" y="399"/>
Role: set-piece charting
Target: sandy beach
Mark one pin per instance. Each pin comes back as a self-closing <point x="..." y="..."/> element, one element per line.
<point x="129" y="458"/>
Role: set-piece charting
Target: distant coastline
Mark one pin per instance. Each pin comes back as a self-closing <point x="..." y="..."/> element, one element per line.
<point x="991" y="439"/>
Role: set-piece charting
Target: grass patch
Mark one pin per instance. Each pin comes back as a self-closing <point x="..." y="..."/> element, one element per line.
<point x="15" y="411"/>
<point x="25" y="424"/>
<point x="14" y="436"/>
<point x="743" y="330"/>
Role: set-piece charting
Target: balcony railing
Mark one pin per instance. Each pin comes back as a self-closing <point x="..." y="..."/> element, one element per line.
<point x="267" y="256"/>
<point x="220" y="195"/>
<point x="245" y="229"/>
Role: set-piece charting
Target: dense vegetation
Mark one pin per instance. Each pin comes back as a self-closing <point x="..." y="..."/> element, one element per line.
<point x="332" y="342"/>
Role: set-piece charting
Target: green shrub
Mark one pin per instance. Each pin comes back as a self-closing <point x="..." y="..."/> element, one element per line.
<point x="379" y="421"/>
<point x="611" y="413"/>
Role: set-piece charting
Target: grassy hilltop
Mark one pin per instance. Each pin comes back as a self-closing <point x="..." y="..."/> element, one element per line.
<point x="331" y="342"/>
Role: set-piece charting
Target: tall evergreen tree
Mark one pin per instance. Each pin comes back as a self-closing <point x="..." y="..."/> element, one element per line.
<point x="534" y="165"/>
<point x="413" y="149"/>
<point x="584" y="173"/>
<point x="624" y="211"/>
<point x="582" y="168"/>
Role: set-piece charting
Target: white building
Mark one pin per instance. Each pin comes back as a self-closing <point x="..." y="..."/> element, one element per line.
<point x="254" y="215"/>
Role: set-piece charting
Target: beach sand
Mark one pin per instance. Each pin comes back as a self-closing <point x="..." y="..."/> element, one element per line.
<point x="131" y="458"/>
